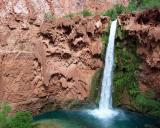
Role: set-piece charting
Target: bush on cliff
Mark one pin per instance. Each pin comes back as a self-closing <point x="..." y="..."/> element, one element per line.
<point x="86" y="13"/>
<point x="19" y="120"/>
<point x="145" y="4"/>
<point x="4" y="111"/>
<point x="114" y="12"/>
<point x="125" y="75"/>
<point x="70" y="15"/>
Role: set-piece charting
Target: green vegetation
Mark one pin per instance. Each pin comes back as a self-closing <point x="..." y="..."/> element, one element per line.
<point x="145" y="4"/>
<point x="104" y="39"/>
<point x="49" y="16"/>
<point x="147" y="104"/>
<point x="125" y="82"/>
<point x="96" y="86"/>
<point x="70" y="15"/>
<point x="86" y="13"/>
<point x="19" y="120"/>
<point x="114" y="12"/>
<point x="133" y="6"/>
<point x="4" y="110"/>
<point x="127" y="63"/>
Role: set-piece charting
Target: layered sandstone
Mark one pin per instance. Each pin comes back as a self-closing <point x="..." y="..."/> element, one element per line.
<point x="52" y="63"/>
<point x="39" y="8"/>
<point x="144" y="27"/>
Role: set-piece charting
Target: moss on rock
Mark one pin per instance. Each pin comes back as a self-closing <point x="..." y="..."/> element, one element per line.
<point x="96" y="86"/>
<point x="126" y="90"/>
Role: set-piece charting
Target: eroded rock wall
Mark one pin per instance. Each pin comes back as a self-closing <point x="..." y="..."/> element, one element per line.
<point x="52" y="63"/>
<point x="40" y="8"/>
<point x="144" y="27"/>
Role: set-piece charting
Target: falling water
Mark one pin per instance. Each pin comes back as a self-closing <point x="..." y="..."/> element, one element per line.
<point x="106" y="91"/>
<point x="105" y="104"/>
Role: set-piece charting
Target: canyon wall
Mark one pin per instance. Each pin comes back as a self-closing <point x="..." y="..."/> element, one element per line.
<point x="140" y="62"/>
<point x="52" y="63"/>
<point x="144" y="27"/>
<point x="39" y="8"/>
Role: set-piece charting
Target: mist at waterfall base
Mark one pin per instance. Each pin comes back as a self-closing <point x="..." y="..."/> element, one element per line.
<point x="104" y="116"/>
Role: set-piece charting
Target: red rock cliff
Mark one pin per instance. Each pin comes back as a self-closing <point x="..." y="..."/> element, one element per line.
<point x="52" y="63"/>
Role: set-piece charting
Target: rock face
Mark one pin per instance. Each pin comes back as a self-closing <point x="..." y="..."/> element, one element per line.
<point x="49" y="64"/>
<point x="40" y="8"/>
<point x="145" y="28"/>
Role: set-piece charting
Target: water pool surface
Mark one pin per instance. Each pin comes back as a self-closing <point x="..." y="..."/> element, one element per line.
<point x="82" y="119"/>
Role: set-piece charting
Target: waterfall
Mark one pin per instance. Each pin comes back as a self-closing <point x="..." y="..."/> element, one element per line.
<point x="105" y="105"/>
<point x="106" y="91"/>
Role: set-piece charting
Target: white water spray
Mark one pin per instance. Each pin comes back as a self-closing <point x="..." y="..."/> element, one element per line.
<point x="106" y="91"/>
<point x="105" y="105"/>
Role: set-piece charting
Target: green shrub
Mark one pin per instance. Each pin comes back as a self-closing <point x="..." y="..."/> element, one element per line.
<point x="104" y="40"/>
<point x="144" y="4"/>
<point x="125" y="80"/>
<point x="70" y="15"/>
<point x="125" y="72"/>
<point x="114" y="12"/>
<point x="19" y="120"/>
<point x="147" y="104"/>
<point x="86" y="13"/>
<point x="132" y="6"/>
<point x="96" y="86"/>
<point x="5" y="109"/>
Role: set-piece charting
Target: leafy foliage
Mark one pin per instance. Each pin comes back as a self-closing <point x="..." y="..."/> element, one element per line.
<point x="4" y="110"/>
<point x="19" y="120"/>
<point x="145" y="4"/>
<point x="125" y="78"/>
<point x="70" y="15"/>
<point x="127" y="64"/>
<point x="96" y="82"/>
<point x="86" y="13"/>
<point x="114" y="12"/>
<point x="104" y="39"/>
<point x="132" y="6"/>
<point x="147" y="104"/>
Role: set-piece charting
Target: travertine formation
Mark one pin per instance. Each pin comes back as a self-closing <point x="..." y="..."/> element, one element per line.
<point x="52" y="63"/>
<point x="145" y="28"/>
<point x="40" y="8"/>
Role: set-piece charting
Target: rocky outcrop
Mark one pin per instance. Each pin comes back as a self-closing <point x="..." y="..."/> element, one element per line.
<point x="39" y="8"/>
<point x="52" y="63"/>
<point x="144" y="27"/>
